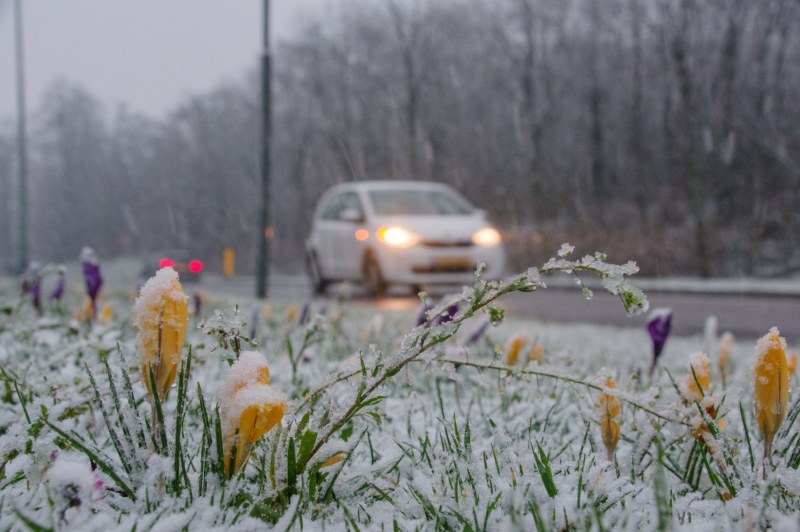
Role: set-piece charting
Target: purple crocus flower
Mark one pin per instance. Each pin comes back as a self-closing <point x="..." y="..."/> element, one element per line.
<point x="197" y="299"/>
<point x="304" y="313"/>
<point x="422" y="314"/>
<point x="58" y="290"/>
<point x="478" y="333"/>
<point x="659" y="324"/>
<point x="32" y="284"/>
<point x="91" y="274"/>
<point x="447" y="315"/>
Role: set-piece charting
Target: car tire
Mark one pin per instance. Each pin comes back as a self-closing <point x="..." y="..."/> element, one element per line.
<point x="318" y="283"/>
<point x="373" y="278"/>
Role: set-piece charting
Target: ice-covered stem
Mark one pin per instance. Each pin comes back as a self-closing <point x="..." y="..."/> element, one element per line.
<point x="479" y="297"/>
<point x="228" y="333"/>
<point x="562" y="378"/>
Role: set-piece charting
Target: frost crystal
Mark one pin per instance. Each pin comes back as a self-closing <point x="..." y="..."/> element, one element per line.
<point x="566" y="250"/>
<point x="771" y="340"/>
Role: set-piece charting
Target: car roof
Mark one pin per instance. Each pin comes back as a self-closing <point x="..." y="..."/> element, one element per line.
<point x="389" y="185"/>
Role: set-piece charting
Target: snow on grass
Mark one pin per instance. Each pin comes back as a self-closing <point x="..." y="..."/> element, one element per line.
<point x="449" y="437"/>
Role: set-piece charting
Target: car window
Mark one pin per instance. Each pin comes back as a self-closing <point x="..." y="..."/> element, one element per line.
<point x="418" y="202"/>
<point x="351" y="202"/>
<point x="331" y="210"/>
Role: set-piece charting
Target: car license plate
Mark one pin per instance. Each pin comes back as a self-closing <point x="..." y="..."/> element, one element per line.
<point x="452" y="262"/>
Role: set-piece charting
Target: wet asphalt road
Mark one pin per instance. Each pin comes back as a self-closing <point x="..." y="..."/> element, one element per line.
<point x="745" y="315"/>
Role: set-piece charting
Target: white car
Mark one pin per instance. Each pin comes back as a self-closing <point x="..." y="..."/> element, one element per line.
<point x="400" y="232"/>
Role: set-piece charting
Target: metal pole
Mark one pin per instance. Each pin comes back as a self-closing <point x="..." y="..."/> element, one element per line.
<point x="22" y="153"/>
<point x="264" y="229"/>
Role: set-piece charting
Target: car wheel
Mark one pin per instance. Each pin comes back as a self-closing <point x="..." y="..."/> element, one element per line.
<point x="318" y="283"/>
<point x="373" y="278"/>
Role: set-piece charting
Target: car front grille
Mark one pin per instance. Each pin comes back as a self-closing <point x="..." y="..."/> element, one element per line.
<point x="443" y="269"/>
<point x="444" y="244"/>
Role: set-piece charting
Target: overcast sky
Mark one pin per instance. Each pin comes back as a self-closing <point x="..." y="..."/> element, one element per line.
<point x="148" y="54"/>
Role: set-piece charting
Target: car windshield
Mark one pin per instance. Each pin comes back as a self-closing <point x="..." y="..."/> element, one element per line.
<point x="418" y="202"/>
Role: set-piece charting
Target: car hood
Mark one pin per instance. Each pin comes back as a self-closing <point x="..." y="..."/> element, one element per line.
<point x="436" y="228"/>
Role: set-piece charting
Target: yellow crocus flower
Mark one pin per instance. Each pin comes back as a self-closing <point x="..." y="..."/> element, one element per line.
<point x="610" y="409"/>
<point x="791" y="363"/>
<point x="513" y="349"/>
<point x="160" y="313"/>
<point x="698" y="381"/>
<point x="249" y="408"/>
<point x="254" y="421"/>
<point x="106" y="314"/>
<point x="771" y="380"/>
<point x="535" y="354"/>
<point x="291" y="313"/>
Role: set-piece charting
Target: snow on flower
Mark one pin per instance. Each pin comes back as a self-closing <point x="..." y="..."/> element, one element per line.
<point x="160" y="315"/>
<point x="771" y="386"/>
<point x="659" y="323"/>
<point x="249" y="408"/>
<point x="698" y="379"/>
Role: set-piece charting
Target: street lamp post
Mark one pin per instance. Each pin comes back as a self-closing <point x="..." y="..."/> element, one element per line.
<point x="264" y="228"/>
<point x="22" y="155"/>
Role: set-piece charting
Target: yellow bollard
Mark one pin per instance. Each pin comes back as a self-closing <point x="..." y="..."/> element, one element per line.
<point x="228" y="262"/>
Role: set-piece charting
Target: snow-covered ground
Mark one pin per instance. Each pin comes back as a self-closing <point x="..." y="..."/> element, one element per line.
<point x="462" y="437"/>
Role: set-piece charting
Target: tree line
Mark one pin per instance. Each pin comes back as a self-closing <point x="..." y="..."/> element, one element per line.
<point x="657" y="130"/>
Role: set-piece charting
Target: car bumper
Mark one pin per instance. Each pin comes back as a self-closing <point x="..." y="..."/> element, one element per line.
<point x="426" y="265"/>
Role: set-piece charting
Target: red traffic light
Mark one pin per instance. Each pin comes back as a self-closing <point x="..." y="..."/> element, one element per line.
<point x="166" y="263"/>
<point x="195" y="266"/>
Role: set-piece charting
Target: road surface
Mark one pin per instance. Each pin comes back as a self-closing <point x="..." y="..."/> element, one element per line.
<point x="744" y="314"/>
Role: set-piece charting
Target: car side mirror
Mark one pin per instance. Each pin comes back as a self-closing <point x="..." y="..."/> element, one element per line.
<point x="351" y="215"/>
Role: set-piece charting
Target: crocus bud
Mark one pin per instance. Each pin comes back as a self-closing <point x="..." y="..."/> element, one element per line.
<point x="304" y="313"/>
<point x="249" y="408"/>
<point x="197" y="299"/>
<point x="448" y="315"/>
<point x="513" y="348"/>
<point x="422" y="313"/>
<point x="478" y="333"/>
<point x="659" y="324"/>
<point x="58" y="289"/>
<point x="91" y="275"/>
<point x="725" y="351"/>
<point x="536" y="352"/>
<point x="771" y="379"/>
<point x="791" y="363"/>
<point x="160" y="314"/>
<point x="698" y="381"/>
<point x="609" y="408"/>
<point x="32" y="284"/>
<point x="291" y="313"/>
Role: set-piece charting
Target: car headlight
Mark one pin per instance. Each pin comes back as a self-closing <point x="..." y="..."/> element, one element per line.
<point x="397" y="237"/>
<point x="488" y="236"/>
